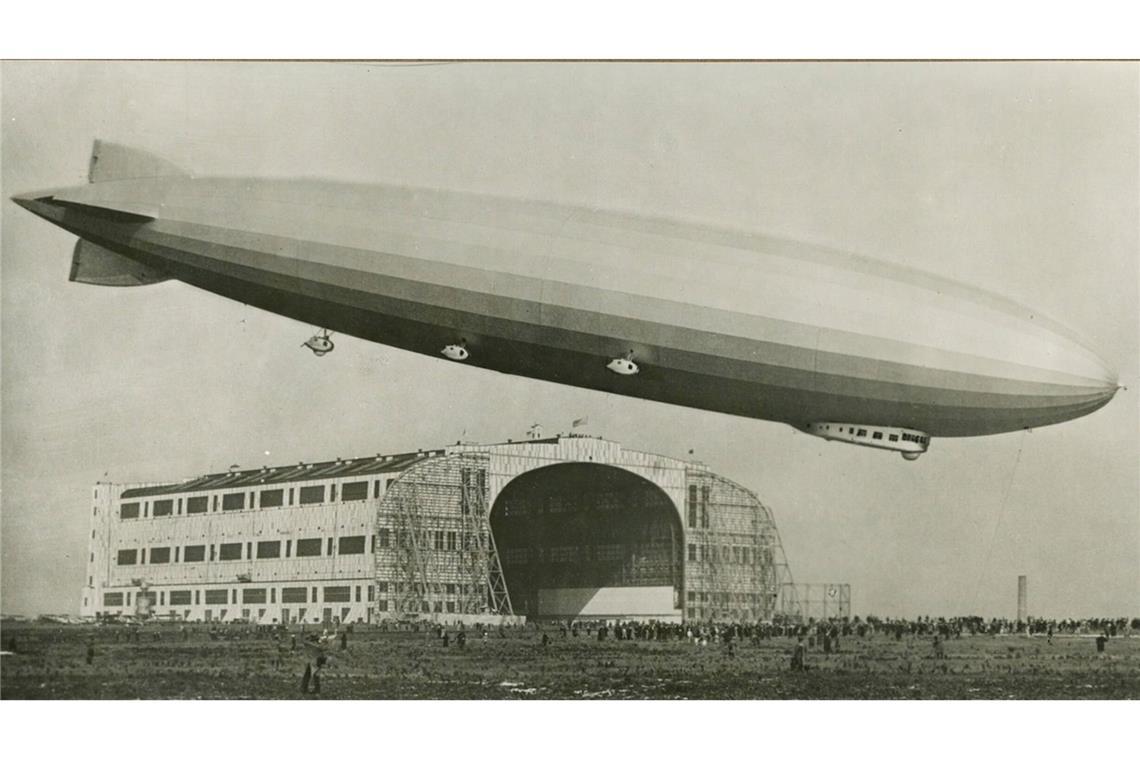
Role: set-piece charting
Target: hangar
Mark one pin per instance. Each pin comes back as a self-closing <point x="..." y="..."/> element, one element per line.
<point x="566" y="527"/>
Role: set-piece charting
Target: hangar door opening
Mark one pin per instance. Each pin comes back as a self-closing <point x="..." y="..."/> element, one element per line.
<point x="589" y="541"/>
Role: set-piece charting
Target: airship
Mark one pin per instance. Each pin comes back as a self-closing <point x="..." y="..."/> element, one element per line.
<point x="838" y="345"/>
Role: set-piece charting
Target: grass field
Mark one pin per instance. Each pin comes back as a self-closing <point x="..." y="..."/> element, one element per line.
<point x="51" y="665"/>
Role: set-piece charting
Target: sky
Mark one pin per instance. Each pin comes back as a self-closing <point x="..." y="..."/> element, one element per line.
<point x="1021" y="178"/>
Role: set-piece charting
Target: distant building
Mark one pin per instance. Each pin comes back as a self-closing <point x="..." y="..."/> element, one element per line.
<point x="563" y="527"/>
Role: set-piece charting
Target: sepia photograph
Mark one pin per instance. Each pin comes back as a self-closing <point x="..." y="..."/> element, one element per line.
<point x="570" y="380"/>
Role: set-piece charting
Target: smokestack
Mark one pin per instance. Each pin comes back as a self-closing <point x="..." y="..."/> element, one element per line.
<point x="1022" y="599"/>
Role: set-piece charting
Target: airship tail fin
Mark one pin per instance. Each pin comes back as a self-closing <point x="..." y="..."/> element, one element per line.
<point x="95" y="265"/>
<point x="111" y="161"/>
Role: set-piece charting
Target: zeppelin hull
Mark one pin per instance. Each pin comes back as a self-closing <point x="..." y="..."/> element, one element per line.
<point x="691" y="355"/>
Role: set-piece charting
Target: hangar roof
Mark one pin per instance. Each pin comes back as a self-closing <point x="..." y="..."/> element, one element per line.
<point x="340" y="468"/>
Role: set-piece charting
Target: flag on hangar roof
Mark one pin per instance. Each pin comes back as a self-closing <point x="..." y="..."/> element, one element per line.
<point x="580" y="422"/>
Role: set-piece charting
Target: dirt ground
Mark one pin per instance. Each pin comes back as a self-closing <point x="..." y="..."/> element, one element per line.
<point x="50" y="664"/>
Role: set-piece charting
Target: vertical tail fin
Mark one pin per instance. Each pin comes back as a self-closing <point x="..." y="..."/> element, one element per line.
<point x="111" y="161"/>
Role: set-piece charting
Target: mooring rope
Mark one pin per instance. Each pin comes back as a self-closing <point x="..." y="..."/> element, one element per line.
<point x="997" y="525"/>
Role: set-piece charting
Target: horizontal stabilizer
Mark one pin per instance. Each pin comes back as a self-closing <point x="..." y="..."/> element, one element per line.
<point x="110" y="161"/>
<point x="95" y="265"/>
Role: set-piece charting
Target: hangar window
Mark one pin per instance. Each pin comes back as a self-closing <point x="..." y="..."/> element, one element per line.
<point x="376" y="489"/>
<point x="160" y="555"/>
<point x="268" y="549"/>
<point x="114" y="599"/>
<point x="163" y="508"/>
<point x="217" y="596"/>
<point x="273" y="498"/>
<point x="338" y="593"/>
<point x="308" y="547"/>
<point x="179" y="598"/>
<point x="357" y="491"/>
<point x="253" y="596"/>
<point x="194" y="553"/>
<point x="229" y="551"/>
<point x="351" y="545"/>
<point x="332" y="492"/>
<point x="294" y="595"/>
<point x="605" y="552"/>
<point x="197" y="505"/>
<point x="515" y="555"/>
<point x="128" y="556"/>
<point x="877" y="436"/>
<point x="892" y="437"/>
<point x="861" y="434"/>
<point x="564" y="554"/>
<point x="231" y="502"/>
<point x="129" y="511"/>
<point x="312" y="494"/>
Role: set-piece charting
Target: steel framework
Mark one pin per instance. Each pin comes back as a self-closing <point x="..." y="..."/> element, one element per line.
<point x="815" y="601"/>
<point x="445" y="560"/>
<point x="735" y="566"/>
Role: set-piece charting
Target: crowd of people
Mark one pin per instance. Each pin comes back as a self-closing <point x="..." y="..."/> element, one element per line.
<point x="702" y="633"/>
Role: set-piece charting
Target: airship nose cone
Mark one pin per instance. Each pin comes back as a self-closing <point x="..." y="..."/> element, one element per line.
<point x="1073" y="355"/>
<point x="1097" y="385"/>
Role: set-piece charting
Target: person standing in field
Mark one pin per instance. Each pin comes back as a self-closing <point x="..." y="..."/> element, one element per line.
<point x="798" y="655"/>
